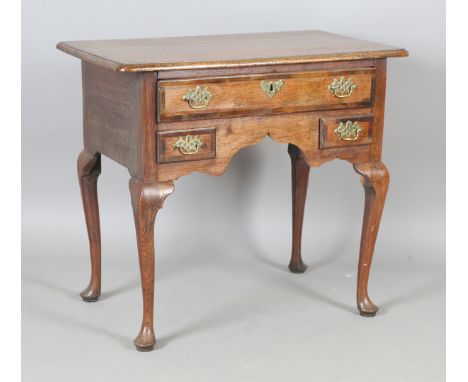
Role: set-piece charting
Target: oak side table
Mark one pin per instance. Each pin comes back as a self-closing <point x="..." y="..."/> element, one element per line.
<point x="166" y="107"/>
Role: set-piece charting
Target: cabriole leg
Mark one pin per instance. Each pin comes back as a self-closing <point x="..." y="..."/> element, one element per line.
<point x="299" y="179"/>
<point x="375" y="179"/>
<point x="147" y="199"/>
<point x="89" y="168"/>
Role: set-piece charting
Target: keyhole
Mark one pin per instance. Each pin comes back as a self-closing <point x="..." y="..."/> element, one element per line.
<point x="271" y="87"/>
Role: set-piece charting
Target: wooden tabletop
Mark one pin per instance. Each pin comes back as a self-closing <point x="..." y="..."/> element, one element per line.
<point x="235" y="50"/>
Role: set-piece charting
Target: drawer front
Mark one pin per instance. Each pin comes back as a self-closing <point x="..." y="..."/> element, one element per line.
<point x="186" y="145"/>
<point x="264" y="94"/>
<point x="344" y="132"/>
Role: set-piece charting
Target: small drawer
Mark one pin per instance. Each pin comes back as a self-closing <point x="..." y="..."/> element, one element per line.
<point x="201" y="98"/>
<point x="343" y="132"/>
<point x="186" y="145"/>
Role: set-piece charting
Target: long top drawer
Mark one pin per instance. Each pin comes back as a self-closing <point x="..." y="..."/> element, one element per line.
<point x="199" y="98"/>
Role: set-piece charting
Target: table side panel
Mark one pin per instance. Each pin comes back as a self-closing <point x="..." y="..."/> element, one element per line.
<point x="111" y="114"/>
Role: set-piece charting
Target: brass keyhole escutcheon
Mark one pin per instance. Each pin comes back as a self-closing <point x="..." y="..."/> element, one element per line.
<point x="271" y="88"/>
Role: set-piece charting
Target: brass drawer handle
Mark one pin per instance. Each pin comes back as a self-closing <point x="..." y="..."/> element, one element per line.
<point x="348" y="131"/>
<point x="189" y="144"/>
<point x="271" y="88"/>
<point x="198" y="98"/>
<point x="343" y="87"/>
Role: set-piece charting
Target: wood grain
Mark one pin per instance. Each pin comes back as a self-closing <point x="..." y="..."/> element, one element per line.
<point x="242" y="95"/>
<point x="147" y="199"/>
<point x="166" y="141"/>
<point x="266" y="69"/>
<point x="121" y="121"/>
<point x="233" y="134"/>
<point x="329" y="139"/>
<point x="379" y="109"/>
<point x="299" y="182"/>
<point x="111" y="114"/>
<point x="146" y="136"/>
<point x="224" y="51"/>
<point x="89" y="169"/>
<point x="375" y="179"/>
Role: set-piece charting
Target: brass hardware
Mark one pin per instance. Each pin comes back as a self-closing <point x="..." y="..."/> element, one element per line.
<point x="189" y="144"/>
<point x="198" y="98"/>
<point x="271" y="88"/>
<point x="348" y="131"/>
<point x="342" y="88"/>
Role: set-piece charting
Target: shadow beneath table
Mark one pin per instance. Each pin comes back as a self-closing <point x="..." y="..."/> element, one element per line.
<point x="71" y="320"/>
<point x="234" y="310"/>
<point x="417" y="293"/>
<point x="243" y="308"/>
<point x="128" y="286"/>
<point x="35" y="280"/>
<point x="335" y="253"/>
<point x="75" y="294"/>
<point x="64" y="319"/>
